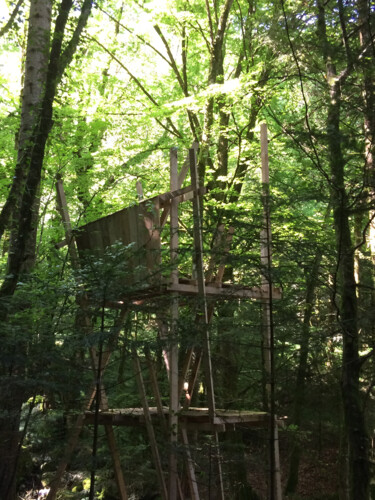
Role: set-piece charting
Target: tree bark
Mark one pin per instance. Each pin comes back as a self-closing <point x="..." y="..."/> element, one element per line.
<point x="368" y="96"/>
<point x="12" y="393"/>
<point x="36" y="63"/>
<point x="347" y="308"/>
<point x="37" y="107"/>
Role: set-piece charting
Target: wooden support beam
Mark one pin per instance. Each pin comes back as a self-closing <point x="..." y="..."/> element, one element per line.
<point x="193" y="485"/>
<point x="204" y="320"/>
<point x="191" y="418"/>
<point x="268" y="335"/>
<point x="55" y="484"/>
<point x="180" y="195"/>
<point x="225" y="291"/>
<point x="173" y="336"/>
<point x="180" y="180"/>
<point x="139" y="189"/>
<point x="119" y="477"/>
<point x="155" y="388"/>
<point x="63" y="209"/>
<point x="149" y="425"/>
<point x="195" y="364"/>
<point x="73" y="439"/>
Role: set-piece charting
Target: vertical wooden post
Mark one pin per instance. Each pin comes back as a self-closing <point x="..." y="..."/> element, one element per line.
<point x="174" y="406"/>
<point x="202" y="304"/>
<point x="203" y="318"/>
<point x="268" y="337"/>
<point x="265" y="260"/>
<point x="73" y="439"/>
<point x="149" y="426"/>
<point x="63" y="209"/>
<point x="139" y="190"/>
<point x="193" y="485"/>
<point x="155" y="389"/>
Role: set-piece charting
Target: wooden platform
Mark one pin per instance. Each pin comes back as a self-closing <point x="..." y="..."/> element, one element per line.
<point x="193" y="418"/>
<point x="187" y="287"/>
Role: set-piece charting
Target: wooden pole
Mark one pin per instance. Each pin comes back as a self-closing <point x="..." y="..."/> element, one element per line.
<point x="149" y="426"/>
<point x="174" y="406"/>
<point x="202" y="299"/>
<point x="63" y="209"/>
<point x="76" y="431"/>
<point x="156" y="391"/>
<point x="193" y="485"/>
<point x="203" y="318"/>
<point x="268" y="334"/>
<point x="139" y="190"/>
<point x="180" y="180"/>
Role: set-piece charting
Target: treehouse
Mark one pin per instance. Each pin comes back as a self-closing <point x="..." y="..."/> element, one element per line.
<point x="151" y="272"/>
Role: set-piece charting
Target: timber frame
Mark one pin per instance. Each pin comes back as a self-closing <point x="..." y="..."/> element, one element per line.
<point x="140" y="226"/>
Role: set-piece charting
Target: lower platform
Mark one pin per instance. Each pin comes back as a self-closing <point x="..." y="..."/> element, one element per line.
<point x="192" y="418"/>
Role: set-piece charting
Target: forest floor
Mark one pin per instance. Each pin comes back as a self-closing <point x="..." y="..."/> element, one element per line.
<point x="318" y="477"/>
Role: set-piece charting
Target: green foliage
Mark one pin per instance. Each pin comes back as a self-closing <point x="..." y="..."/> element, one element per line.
<point x="128" y="96"/>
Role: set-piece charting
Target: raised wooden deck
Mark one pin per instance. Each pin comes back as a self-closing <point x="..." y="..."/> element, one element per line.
<point x="193" y="418"/>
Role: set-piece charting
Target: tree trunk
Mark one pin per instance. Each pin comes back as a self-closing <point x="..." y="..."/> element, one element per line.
<point x="12" y="394"/>
<point x="36" y="63"/>
<point x="368" y="96"/>
<point x="299" y="393"/>
<point x="347" y="308"/>
<point x="38" y="97"/>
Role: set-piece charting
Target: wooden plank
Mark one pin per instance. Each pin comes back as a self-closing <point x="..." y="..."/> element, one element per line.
<point x="258" y="293"/>
<point x="163" y="200"/>
<point x="137" y="261"/>
<point x="149" y="234"/>
<point x="155" y="246"/>
<point x="180" y="195"/>
<point x="194" y="418"/>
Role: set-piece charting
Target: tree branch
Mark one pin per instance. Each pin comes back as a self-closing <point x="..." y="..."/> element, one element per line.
<point x="210" y="22"/>
<point x="8" y="25"/>
<point x="67" y="55"/>
<point x="132" y="33"/>
<point x="172" y="62"/>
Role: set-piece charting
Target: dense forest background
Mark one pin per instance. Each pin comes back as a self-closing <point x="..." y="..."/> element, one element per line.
<point x="96" y="94"/>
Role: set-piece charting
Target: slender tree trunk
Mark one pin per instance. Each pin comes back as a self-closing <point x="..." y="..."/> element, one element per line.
<point x="368" y="96"/>
<point x="299" y="393"/>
